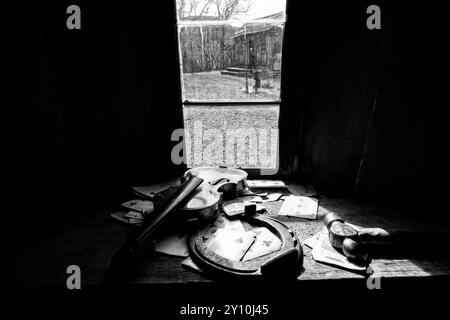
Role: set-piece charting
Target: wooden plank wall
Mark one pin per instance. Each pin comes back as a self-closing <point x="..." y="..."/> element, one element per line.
<point x="86" y="112"/>
<point x="407" y="149"/>
<point x="363" y="111"/>
<point x="338" y="75"/>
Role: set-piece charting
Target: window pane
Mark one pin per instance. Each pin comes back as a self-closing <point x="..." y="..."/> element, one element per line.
<point x="231" y="55"/>
<point x="232" y="136"/>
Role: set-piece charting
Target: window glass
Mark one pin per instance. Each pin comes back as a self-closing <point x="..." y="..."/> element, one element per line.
<point x="230" y="62"/>
<point x="230" y="50"/>
<point x="232" y="136"/>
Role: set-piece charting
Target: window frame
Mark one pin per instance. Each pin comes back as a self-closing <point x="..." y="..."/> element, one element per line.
<point x="253" y="172"/>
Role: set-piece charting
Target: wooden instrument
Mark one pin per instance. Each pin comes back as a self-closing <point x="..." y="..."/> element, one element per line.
<point x="128" y="256"/>
<point x="218" y="184"/>
<point x="203" y="205"/>
<point x="198" y="200"/>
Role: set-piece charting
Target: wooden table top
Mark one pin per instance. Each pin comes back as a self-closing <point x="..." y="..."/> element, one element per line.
<point x="92" y="243"/>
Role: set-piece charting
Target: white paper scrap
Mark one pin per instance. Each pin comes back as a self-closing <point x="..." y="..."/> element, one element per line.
<point x="273" y="197"/>
<point x="324" y="252"/>
<point x="144" y="206"/>
<point x="266" y="242"/>
<point x="300" y="207"/>
<point x="230" y="244"/>
<point x="237" y="208"/>
<point x="173" y="244"/>
<point x="312" y="241"/>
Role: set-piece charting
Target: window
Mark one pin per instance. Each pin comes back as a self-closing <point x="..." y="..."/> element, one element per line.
<point x="230" y="60"/>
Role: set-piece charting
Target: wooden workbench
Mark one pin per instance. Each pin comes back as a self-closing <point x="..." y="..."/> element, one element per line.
<point x="92" y="243"/>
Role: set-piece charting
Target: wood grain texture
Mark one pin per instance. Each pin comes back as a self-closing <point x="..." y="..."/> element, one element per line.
<point x="329" y="97"/>
<point x="92" y="243"/>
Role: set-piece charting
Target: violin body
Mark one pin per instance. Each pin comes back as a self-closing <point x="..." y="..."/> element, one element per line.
<point x="196" y="199"/>
<point x="218" y="184"/>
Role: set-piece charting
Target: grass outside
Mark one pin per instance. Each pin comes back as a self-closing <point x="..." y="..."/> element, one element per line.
<point x="210" y="86"/>
<point x="232" y="136"/>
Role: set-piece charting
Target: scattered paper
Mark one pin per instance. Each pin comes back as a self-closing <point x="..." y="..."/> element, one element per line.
<point x="173" y="244"/>
<point x="256" y="199"/>
<point x="324" y="252"/>
<point x="265" y="243"/>
<point x="261" y="194"/>
<point x="248" y="192"/>
<point x="313" y="240"/>
<point x="135" y="215"/>
<point x="230" y="244"/>
<point x="233" y="209"/>
<point x="122" y="217"/>
<point x="228" y="238"/>
<point x="273" y="197"/>
<point x="238" y="208"/>
<point x="299" y="206"/>
<point x="223" y="223"/>
<point x="188" y="263"/>
<point x="150" y="191"/>
<point x="144" y="206"/>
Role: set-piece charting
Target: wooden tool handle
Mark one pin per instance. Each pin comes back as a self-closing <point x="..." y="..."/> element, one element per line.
<point x="127" y="256"/>
<point x="174" y="202"/>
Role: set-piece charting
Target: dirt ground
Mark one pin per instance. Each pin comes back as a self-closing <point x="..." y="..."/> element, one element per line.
<point x="211" y="133"/>
<point x="215" y="86"/>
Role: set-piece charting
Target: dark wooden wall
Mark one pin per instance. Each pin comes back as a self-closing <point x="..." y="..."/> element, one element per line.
<point x="364" y="111"/>
<point x="406" y="155"/>
<point x="338" y="73"/>
<point x="86" y="113"/>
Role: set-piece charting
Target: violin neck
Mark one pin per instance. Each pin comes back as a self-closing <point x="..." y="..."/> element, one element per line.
<point x="156" y="219"/>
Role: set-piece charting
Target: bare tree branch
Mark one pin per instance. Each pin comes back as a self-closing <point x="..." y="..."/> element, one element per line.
<point x="205" y="8"/>
<point x="224" y="9"/>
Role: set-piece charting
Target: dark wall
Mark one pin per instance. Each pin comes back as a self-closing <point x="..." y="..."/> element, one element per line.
<point x="407" y="148"/>
<point x="338" y="71"/>
<point x="88" y="112"/>
<point x="364" y="111"/>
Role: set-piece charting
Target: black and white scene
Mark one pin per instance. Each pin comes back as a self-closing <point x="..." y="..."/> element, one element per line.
<point x="225" y="159"/>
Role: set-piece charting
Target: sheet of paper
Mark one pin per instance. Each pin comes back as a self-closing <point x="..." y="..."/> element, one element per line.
<point x="313" y="240"/>
<point x="150" y="191"/>
<point x="144" y="206"/>
<point x="121" y="216"/>
<point x="266" y="242"/>
<point x="256" y="199"/>
<point x="238" y="208"/>
<point x="173" y="244"/>
<point x="135" y="215"/>
<point x="223" y="222"/>
<point x="248" y="192"/>
<point x="324" y="252"/>
<point x="273" y="197"/>
<point x="233" y="209"/>
<point x="230" y="244"/>
<point x="300" y="207"/>
<point x="188" y="263"/>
